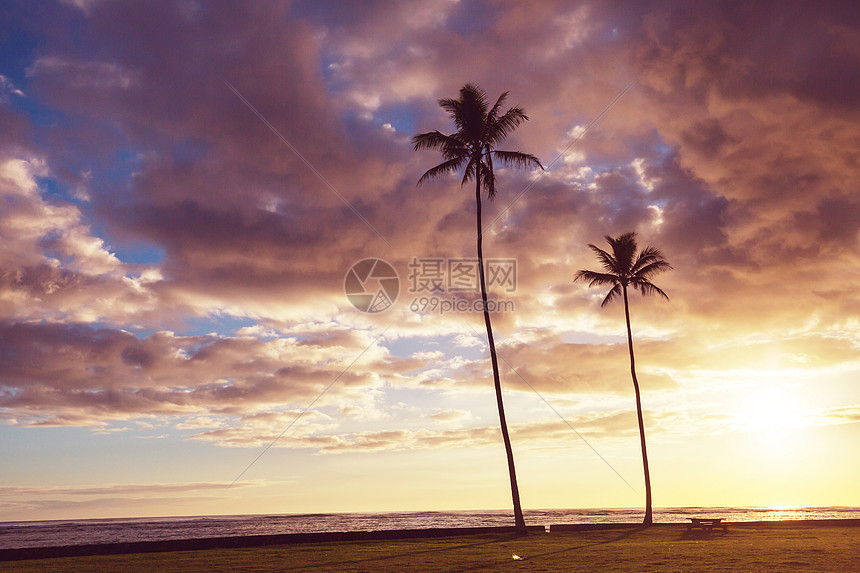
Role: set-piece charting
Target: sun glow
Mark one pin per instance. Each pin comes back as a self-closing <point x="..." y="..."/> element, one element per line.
<point x="771" y="415"/>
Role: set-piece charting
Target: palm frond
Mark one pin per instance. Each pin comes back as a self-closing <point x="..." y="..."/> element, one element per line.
<point x="499" y="130"/>
<point x="488" y="177"/>
<point x="472" y="113"/>
<point x="641" y="262"/>
<point x="452" y="106"/>
<point x="648" y="288"/>
<point x="471" y="92"/>
<point x="434" y="140"/>
<point x="595" y="278"/>
<point x="517" y="159"/>
<point x="469" y="172"/>
<point x="609" y="263"/>
<point x="449" y="104"/>
<point x="450" y="166"/>
<point x="610" y="296"/>
<point x="646" y="257"/>
<point x="652" y="269"/>
<point x="623" y="251"/>
<point x="493" y="114"/>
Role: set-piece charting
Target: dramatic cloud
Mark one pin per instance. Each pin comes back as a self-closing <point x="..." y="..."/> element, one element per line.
<point x="71" y="374"/>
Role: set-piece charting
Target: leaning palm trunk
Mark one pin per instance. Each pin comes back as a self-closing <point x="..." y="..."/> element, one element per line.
<point x="519" y="520"/>
<point x="648" y="518"/>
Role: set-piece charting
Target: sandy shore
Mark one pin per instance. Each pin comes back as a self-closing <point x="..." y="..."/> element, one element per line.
<point x="814" y="545"/>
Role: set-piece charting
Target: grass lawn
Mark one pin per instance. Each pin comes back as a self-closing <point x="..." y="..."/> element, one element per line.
<point x="753" y="547"/>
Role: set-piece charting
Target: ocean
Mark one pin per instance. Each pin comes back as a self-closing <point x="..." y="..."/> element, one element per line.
<point x="19" y="534"/>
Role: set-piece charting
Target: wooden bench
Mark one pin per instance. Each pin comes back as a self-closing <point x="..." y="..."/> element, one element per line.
<point x="706" y="524"/>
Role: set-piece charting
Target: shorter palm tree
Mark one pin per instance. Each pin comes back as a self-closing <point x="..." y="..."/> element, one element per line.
<point x="623" y="268"/>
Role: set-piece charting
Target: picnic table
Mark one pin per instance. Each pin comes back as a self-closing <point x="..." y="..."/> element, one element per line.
<point x="706" y="524"/>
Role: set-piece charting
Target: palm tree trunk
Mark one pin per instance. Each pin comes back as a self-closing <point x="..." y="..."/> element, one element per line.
<point x="648" y="518"/>
<point x="519" y="520"/>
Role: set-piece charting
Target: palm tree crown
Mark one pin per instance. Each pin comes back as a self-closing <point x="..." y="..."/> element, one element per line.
<point x="479" y="129"/>
<point x="623" y="267"/>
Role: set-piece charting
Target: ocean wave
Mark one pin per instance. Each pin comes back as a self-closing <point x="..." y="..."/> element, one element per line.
<point x="22" y="534"/>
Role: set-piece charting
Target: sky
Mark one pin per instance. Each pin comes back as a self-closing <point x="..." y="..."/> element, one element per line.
<point x="185" y="186"/>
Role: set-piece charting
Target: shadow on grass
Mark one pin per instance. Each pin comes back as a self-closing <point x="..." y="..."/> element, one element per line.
<point x="627" y="533"/>
<point x="378" y="558"/>
<point x="701" y="535"/>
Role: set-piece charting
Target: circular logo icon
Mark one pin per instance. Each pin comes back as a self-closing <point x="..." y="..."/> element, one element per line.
<point x="371" y="285"/>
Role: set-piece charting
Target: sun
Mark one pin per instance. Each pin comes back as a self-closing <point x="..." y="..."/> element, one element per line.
<point x="770" y="417"/>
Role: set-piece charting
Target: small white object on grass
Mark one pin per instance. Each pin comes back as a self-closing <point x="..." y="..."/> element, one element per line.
<point x="517" y="557"/>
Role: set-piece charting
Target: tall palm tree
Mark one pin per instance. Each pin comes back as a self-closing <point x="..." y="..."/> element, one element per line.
<point x="623" y="267"/>
<point x="479" y="129"/>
